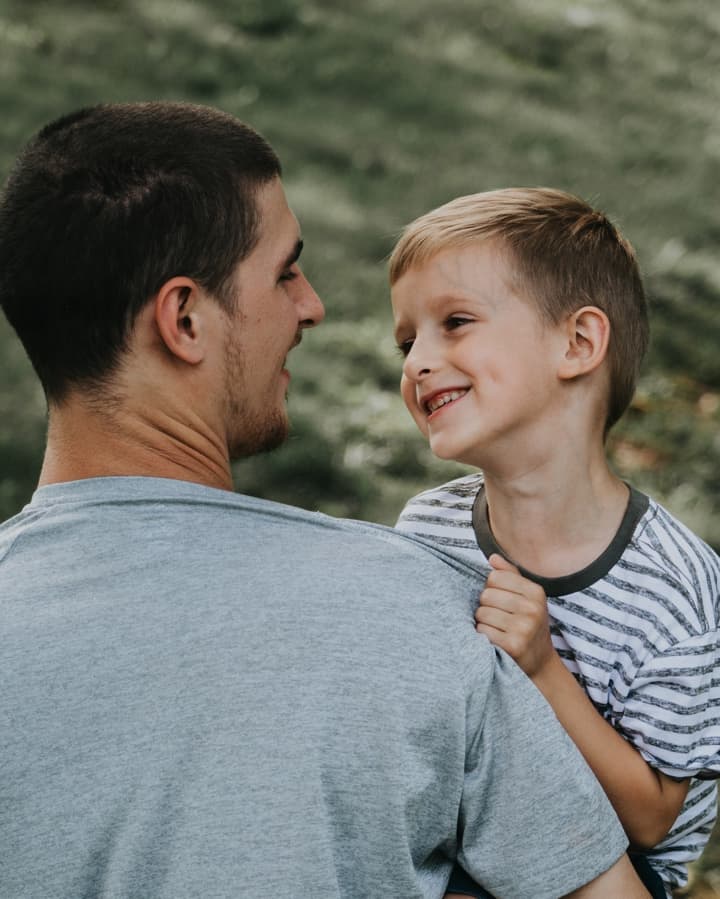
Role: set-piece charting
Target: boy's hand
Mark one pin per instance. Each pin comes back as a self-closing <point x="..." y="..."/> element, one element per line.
<point x="513" y="615"/>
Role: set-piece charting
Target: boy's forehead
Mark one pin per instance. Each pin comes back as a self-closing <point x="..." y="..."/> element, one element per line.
<point x="476" y="269"/>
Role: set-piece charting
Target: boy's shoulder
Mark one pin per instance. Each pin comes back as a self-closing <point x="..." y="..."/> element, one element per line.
<point x="670" y="552"/>
<point x="671" y="542"/>
<point x="443" y="516"/>
<point x="459" y="492"/>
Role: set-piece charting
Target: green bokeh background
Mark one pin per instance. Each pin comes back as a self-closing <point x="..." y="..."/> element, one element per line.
<point x="379" y="111"/>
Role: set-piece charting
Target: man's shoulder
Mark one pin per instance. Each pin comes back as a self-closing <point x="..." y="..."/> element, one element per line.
<point x="401" y="548"/>
<point x="119" y="508"/>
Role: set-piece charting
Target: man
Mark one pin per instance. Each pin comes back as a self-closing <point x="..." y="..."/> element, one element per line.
<point x="207" y="694"/>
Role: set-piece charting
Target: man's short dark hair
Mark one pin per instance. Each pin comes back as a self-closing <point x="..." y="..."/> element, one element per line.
<point x="105" y="205"/>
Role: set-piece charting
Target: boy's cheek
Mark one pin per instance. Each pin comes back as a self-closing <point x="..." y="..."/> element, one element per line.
<point x="420" y="421"/>
<point x="407" y="391"/>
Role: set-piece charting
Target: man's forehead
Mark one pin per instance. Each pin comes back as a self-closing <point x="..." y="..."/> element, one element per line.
<point x="278" y="227"/>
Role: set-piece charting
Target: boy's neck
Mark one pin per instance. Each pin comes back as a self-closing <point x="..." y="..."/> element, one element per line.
<point x="557" y="519"/>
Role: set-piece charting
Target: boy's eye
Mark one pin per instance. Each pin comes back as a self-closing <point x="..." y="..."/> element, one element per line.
<point x="405" y="346"/>
<point x="456" y="321"/>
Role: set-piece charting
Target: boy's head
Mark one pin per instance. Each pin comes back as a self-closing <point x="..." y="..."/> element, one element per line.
<point x="103" y="207"/>
<point x="560" y="255"/>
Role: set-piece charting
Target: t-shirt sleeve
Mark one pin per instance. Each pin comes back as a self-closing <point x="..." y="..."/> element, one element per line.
<point x="672" y="712"/>
<point x="533" y="821"/>
<point x="410" y="519"/>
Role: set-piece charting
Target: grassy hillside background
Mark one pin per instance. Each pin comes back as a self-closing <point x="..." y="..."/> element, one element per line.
<point x="380" y="111"/>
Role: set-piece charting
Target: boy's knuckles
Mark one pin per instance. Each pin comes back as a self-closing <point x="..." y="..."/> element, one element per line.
<point x="493" y="597"/>
<point x="502" y="579"/>
<point x="514" y="645"/>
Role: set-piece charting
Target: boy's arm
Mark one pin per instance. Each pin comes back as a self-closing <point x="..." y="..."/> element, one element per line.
<point x="646" y="801"/>
<point x="513" y="615"/>
<point x="620" y="880"/>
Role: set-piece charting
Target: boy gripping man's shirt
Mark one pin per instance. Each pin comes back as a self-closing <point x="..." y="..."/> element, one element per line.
<point x="522" y="318"/>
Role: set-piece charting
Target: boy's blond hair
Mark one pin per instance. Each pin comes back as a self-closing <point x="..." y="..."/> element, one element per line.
<point x="562" y="254"/>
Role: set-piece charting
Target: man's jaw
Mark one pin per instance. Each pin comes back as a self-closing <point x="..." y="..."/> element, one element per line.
<point x="298" y="338"/>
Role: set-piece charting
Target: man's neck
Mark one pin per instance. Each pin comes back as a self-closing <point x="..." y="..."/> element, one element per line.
<point x="83" y="443"/>
<point x="556" y="518"/>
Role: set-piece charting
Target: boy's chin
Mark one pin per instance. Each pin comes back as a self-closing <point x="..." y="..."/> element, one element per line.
<point x="446" y="453"/>
<point x="452" y="454"/>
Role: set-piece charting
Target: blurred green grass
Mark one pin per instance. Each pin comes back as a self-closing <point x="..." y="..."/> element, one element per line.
<point x="380" y="111"/>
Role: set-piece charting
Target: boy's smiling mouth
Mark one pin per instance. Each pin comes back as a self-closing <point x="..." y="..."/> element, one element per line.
<point x="442" y="398"/>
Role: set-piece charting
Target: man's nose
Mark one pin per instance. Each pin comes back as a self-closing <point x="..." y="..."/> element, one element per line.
<point x="310" y="308"/>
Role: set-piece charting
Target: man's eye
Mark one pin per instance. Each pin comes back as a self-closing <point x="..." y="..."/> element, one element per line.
<point x="290" y="273"/>
<point x="404" y="347"/>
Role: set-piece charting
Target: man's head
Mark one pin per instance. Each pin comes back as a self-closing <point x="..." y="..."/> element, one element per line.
<point x="275" y="302"/>
<point x="560" y="255"/>
<point x="103" y="207"/>
<point x="117" y="208"/>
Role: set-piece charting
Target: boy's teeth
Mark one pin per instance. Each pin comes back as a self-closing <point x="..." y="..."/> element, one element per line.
<point x="444" y="399"/>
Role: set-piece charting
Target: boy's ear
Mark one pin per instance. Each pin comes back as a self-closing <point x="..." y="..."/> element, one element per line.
<point x="179" y="319"/>
<point x="588" y="335"/>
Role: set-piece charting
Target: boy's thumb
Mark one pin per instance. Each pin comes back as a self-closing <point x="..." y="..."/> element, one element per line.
<point x="501" y="564"/>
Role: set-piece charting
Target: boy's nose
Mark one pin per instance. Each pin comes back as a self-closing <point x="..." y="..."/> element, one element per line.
<point x="417" y="364"/>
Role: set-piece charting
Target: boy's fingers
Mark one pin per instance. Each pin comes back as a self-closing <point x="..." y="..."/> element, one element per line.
<point x="501" y="599"/>
<point x="494" y="635"/>
<point x="512" y="582"/>
<point x="523" y="624"/>
<point x="506" y="580"/>
<point x="492" y="617"/>
<point x="519" y="614"/>
<point x="501" y="564"/>
<point x="499" y="638"/>
<point x="489" y="632"/>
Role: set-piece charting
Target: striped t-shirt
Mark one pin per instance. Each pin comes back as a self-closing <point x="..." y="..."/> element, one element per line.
<point x="638" y="628"/>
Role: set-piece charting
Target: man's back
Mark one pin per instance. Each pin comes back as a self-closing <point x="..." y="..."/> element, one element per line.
<point x="207" y="694"/>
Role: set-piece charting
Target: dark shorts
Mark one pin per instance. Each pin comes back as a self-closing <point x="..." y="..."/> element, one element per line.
<point x="460" y="882"/>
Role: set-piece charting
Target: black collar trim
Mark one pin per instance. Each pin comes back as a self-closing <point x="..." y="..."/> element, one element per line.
<point x="580" y="580"/>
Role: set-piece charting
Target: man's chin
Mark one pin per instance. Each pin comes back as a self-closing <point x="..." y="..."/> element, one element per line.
<point x="270" y="438"/>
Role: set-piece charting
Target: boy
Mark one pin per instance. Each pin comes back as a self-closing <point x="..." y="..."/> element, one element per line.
<point x="522" y="319"/>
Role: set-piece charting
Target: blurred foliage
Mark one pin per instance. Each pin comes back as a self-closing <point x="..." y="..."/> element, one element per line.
<point x="380" y="111"/>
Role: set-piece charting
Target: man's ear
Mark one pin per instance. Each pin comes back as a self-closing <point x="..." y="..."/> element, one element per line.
<point x="178" y="313"/>
<point x="587" y="333"/>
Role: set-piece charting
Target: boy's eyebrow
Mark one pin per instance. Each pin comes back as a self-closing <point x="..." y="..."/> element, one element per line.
<point x="401" y="328"/>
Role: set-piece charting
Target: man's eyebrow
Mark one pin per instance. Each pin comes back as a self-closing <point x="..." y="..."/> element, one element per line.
<point x="294" y="255"/>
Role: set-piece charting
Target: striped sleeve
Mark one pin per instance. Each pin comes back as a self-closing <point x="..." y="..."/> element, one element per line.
<point x="672" y="713"/>
<point x="443" y="515"/>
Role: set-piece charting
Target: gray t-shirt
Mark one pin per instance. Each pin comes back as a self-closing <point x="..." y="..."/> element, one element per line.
<point x="206" y="694"/>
